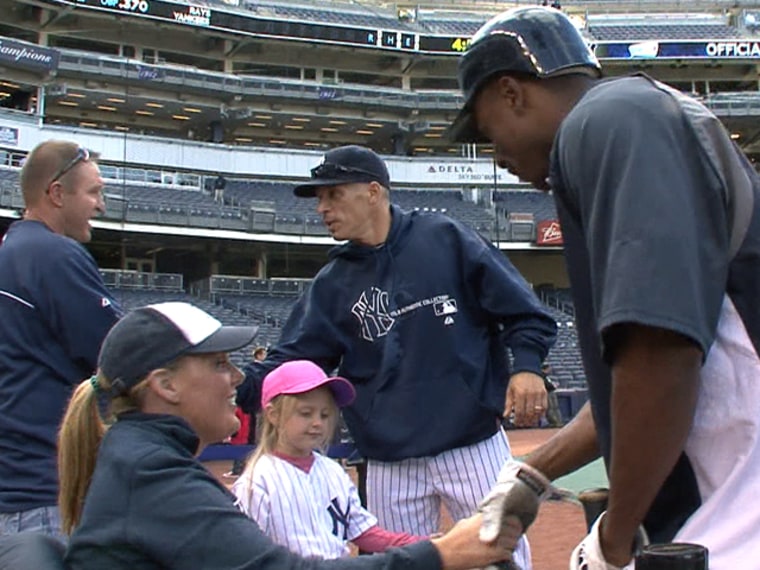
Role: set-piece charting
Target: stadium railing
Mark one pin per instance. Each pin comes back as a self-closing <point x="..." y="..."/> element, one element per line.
<point x="140" y="280"/>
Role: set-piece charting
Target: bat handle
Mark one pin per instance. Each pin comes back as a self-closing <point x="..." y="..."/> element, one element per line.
<point x="594" y="502"/>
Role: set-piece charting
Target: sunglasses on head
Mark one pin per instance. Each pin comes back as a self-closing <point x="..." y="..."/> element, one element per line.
<point x="329" y="170"/>
<point x="82" y="155"/>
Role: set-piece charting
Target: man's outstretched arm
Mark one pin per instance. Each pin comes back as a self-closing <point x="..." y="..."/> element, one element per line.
<point x="569" y="449"/>
<point x="655" y="380"/>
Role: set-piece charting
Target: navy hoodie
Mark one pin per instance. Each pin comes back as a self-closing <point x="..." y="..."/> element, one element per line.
<point x="419" y="325"/>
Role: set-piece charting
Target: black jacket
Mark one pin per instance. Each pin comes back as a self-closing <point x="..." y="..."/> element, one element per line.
<point x="152" y="505"/>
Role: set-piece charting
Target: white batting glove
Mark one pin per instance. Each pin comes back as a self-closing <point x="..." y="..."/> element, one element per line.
<point x="518" y="492"/>
<point x="588" y="554"/>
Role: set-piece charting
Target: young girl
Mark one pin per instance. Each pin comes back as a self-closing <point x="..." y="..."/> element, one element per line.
<point x="300" y="498"/>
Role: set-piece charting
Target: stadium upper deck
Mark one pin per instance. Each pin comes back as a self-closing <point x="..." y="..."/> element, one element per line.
<point x="303" y="75"/>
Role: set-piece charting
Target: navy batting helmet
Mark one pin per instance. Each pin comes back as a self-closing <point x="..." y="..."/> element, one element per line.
<point x="534" y="40"/>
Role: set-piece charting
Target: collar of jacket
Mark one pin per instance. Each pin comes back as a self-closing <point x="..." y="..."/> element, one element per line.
<point x="400" y="224"/>
<point x="175" y="427"/>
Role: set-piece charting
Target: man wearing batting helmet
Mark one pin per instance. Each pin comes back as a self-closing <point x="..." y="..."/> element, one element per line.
<point x="660" y="217"/>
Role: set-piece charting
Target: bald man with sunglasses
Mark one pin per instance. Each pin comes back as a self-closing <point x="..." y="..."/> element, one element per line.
<point x="54" y="313"/>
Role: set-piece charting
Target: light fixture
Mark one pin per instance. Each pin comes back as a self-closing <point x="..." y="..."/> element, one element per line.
<point x="360" y="132"/>
<point x="257" y="125"/>
<point x="301" y="120"/>
<point x="192" y="110"/>
<point x="329" y="130"/>
<point x="180" y="117"/>
<point x="106" y="108"/>
<point x="116" y="100"/>
<point x="68" y="103"/>
<point x="154" y="105"/>
<point x="294" y="127"/>
<point x="337" y="122"/>
<point x="144" y="113"/>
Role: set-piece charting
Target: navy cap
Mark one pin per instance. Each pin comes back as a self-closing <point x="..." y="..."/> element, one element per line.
<point x="345" y="165"/>
<point x="152" y="336"/>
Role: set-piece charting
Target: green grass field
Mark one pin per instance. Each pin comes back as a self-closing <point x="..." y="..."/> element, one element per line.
<point x="591" y="476"/>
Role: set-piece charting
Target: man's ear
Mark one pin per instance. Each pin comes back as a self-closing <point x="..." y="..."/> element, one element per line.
<point x="512" y="91"/>
<point x="164" y="384"/>
<point x="55" y="190"/>
<point x="374" y="191"/>
<point x="377" y="192"/>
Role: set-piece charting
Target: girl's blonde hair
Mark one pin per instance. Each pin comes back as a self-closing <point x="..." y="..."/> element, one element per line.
<point x="79" y="437"/>
<point x="283" y="406"/>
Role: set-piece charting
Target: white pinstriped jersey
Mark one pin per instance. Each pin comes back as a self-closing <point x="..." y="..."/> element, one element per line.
<point x="315" y="513"/>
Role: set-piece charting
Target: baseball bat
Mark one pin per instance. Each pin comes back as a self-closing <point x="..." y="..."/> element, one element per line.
<point x="594" y="502"/>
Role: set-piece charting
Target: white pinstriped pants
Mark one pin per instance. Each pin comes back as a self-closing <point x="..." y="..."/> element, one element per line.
<point x="406" y="496"/>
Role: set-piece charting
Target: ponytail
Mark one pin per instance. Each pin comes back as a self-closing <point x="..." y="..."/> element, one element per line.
<point x="79" y="438"/>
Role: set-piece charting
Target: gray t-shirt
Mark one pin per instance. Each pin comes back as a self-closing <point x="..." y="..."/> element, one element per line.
<point x="645" y="181"/>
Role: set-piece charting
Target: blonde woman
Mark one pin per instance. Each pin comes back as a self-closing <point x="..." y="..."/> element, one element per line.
<point x="132" y="493"/>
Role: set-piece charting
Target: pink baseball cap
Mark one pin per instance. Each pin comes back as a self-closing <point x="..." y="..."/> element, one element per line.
<point x="299" y="376"/>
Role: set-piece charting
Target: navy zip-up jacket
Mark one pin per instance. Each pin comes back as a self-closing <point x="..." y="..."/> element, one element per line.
<point x="152" y="505"/>
<point x="419" y="325"/>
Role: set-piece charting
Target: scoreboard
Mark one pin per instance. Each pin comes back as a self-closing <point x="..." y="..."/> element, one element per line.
<point x="240" y="23"/>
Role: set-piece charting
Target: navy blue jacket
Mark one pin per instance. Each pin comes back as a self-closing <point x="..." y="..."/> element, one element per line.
<point x="54" y="313"/>
<point x="419" y="325"/>
<point x="152" y="505"/>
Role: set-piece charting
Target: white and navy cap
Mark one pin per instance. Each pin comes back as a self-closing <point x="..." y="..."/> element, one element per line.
<point x="152" y="336"/>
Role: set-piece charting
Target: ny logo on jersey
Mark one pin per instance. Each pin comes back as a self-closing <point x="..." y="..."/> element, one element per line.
<point x="372" y="312"/>
<point x="340" y="519"/>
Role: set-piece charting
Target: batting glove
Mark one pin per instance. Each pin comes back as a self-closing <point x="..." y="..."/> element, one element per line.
<point x="588" y="554"/>
<point x="518" y="492"/>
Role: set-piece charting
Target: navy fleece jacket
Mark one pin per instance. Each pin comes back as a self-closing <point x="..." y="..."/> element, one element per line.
<point x="419" y="325"/>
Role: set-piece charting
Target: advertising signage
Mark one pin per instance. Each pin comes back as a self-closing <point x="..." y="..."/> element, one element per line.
<point x="722" y="49"/>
